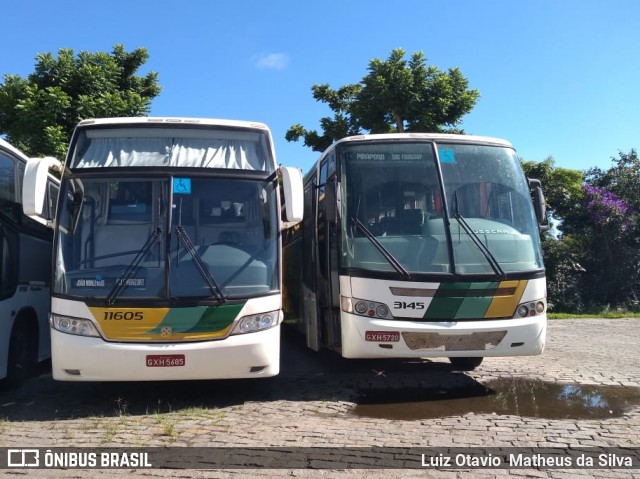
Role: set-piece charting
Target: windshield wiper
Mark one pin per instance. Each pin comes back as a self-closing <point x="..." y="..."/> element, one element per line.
<point x="491" y="259"/>
<point x="393" y="261"/>
<point x="199" y="264"/>
<point x="121" y="282"/>
<point x="197" y="259"/>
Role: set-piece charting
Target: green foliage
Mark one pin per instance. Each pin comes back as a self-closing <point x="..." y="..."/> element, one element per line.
<point x="395" y="96"/>
<point x="564" y="275"/>
<point x="38" y="113"/>
<point x="594" y="264"/>
<point x="611" y="239"/>
<point x="562" y="189"/>
<point x="342" y="124"/>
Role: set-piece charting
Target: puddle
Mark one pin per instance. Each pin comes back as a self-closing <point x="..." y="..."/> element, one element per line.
<point x="507" y="396"/>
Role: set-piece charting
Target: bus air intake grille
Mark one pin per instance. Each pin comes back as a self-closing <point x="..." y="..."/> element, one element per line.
<point x="453" y="342"/>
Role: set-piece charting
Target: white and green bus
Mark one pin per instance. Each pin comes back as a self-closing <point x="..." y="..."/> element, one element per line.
<point x="418" y="246"/>
<point x="25" y="269"/>
<point x="167" y="251"/>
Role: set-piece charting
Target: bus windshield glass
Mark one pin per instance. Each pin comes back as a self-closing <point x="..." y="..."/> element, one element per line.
<point x="393" y="189"/>
<point x="172" y="147"/>
<point x="167" y="238"/>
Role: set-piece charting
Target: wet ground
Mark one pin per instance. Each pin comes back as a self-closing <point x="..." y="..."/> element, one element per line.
<point x="582" y="392"/>
<point x="506" y="397"/>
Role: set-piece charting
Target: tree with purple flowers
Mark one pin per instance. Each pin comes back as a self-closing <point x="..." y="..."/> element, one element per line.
<point x="607" y="209"/>
<point x="609" y="239"/>
<point x="593" y="262"/>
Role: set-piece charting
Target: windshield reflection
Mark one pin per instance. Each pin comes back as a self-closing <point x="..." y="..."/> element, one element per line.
<point x="132" y="238"/>
<point x="394" y="190"/>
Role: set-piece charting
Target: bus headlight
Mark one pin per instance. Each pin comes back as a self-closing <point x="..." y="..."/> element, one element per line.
<point x="77" y="326"/>
<point x="370" y="309"/>
<point x="532" y="308"/>
<point x="257" y="322"/>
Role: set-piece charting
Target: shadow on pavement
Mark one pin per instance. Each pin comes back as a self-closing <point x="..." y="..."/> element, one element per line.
<point x="305" y="375"/>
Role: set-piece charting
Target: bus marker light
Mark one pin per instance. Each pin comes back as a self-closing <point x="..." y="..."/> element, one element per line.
<point x="345" y="304"/>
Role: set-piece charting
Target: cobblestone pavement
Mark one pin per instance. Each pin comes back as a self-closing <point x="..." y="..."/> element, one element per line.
<point x="314" y="401"/>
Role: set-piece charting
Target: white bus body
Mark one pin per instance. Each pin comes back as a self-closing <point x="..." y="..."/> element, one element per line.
<point x="168" y="251"/>
<point x="25" y="269"/>
<point x="419" y="245"/>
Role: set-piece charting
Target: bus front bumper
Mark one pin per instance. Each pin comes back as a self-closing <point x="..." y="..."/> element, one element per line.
<point x="80" y="358"/>
<point x="373" y="338"/>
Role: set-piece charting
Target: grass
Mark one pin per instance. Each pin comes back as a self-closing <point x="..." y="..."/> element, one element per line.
<point x="112" y="430"/>
<point x="601" y="315"/>
<point x="167" y="426"/>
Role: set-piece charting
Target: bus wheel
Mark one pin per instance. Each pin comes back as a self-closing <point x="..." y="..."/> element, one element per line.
<point x="22" y="353"/>
<point x="465" y="364"/>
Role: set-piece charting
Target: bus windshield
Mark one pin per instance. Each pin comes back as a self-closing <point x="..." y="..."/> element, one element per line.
<point x="394" y="189"/>
<point x="144" y="146"/>
<point x="167" y="238"/>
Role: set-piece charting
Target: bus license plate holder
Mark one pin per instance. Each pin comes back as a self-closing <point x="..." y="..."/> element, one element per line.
<point x="165" y="360"/>
<point x="382" y="336"/>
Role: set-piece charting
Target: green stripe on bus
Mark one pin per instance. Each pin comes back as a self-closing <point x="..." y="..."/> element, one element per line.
<point x="446" y="301"/>
<point x="216" y="318"/>
<point x="461" y="300"/>
<point x="473" y="308"/>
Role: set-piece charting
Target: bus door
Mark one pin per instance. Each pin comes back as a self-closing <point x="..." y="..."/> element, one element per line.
<point x="328" y="282"/>
<point x="309" y="322"/>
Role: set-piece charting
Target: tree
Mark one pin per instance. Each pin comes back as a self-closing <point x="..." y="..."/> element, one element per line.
<point x="612" y="238"/>
<point x="395" y="96"/>
<point x="561" y="251"/>
<point x="342" y="124"/>
<point x="38" y="113"/>
<point x="594" y="263"/>
<point x="562" y="189"/>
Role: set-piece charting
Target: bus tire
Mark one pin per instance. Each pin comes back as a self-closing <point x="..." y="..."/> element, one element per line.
<point x="22" y="352"/>
<point x="465" y="364"/>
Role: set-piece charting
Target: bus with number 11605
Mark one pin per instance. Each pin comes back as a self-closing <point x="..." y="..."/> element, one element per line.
<point x="167" y="250"/>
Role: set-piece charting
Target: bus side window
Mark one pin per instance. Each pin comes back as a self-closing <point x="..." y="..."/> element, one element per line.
<point x="323" y="180"/>
<point x="7" y="178"/>
<point x="8" y="271"/>
<point x="8" y="186"/>
<point x="51" y="200"/>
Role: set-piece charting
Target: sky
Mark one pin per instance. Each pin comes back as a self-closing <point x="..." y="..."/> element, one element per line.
<point x="557" y="78"/>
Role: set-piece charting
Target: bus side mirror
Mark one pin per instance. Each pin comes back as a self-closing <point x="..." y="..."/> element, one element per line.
<point x="539" y="203"/>
<point x="293" y="195"/>
<point x="34" y="187"/>
<point x="332" y="200"/>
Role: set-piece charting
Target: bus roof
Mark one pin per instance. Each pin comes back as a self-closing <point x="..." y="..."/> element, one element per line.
<point x="445" y="137"/>
<point x="5" y="145"/>
<point x="172" y="121"/>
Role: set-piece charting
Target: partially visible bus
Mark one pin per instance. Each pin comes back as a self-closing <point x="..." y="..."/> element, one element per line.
<point x="417" y="246"/>
<point x="168" y="251"/>
<point x="25" y="270"/>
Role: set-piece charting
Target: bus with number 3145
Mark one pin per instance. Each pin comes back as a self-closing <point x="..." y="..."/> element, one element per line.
<point x="418" y="245"/>
<point x="167" y="250"/>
